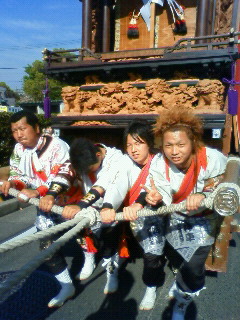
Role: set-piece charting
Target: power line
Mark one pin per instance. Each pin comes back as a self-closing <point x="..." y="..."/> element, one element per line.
<point x="12" y="81"/>
<point x="41" y="45"/>
<point x="7" y="69"/>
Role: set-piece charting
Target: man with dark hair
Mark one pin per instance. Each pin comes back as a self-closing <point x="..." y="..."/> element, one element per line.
<point x="125" y="189"/>
<point x="31" y="118"/>
<point x="35" y="161"/>
<point x="140" y="129"/>
<point x="94" y="165"/>
<point x="83" y="154"/>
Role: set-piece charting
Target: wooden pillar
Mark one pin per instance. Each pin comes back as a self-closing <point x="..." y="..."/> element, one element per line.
<point x="152" y="25"/>
<point x="232" y="125"/>
<point x="236" y="15"/>
<point x="202" y="16"/>
<point x="237" y="87"/>
<point x="210" y="18"/>
<point x="106" y="26"/>
<point x="86" y="23"/>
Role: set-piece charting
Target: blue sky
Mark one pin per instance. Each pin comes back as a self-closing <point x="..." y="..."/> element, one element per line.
<point x="29" y="26"/>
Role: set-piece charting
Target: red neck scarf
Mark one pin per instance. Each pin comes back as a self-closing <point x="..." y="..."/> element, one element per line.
<point x="133" y="193"/>
<point x="92" y="177"/>
<point x="198" y="161"/>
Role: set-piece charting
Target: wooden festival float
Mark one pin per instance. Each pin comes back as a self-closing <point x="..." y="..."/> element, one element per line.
<point x="140" y="57"/>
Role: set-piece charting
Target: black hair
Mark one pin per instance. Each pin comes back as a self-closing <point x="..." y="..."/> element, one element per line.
<point x="83" y="155"/>
<point x="140" y="128"/>
<point x="31" y="118"/>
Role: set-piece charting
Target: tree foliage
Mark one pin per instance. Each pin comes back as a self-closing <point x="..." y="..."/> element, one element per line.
<point x="35" y="82"/>
<point x="9" y="92"/>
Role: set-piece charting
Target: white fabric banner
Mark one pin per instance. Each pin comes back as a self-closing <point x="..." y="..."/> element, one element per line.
<point x="146" y="10"/>
<point x="160" y="2"/>
<point x="145" y="2"/>
<point x="145" y="13"/>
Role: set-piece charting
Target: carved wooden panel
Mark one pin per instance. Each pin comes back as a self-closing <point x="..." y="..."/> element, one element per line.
<point x="139" y="97"/>
<point x="223" y="19"/>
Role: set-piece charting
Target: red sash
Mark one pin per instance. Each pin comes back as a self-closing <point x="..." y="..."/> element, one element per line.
<point x="92" y="177"/>
<point x="74" y="195"/>
<point x="40" y="174"/>
<point x="199" y="161"/>
<point x="133" y="193"/>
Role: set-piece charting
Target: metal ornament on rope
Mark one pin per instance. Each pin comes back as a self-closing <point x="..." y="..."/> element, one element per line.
<point x="226" y="200"/>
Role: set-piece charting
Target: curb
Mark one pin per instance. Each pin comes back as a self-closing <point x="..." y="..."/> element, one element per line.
<point x="11" y="205"/>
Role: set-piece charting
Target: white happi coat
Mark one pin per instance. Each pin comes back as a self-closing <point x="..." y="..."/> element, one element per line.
<point x="187" y="233"/>
<point x="50" y="159"/>
<point x="149" y="231"/>
<point x="53" y="154"/>
<point x="122" y="182"/>
<point x="106" y="172"/>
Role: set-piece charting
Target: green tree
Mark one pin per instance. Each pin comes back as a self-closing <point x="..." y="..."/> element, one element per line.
<point x="35" y="82"/>
<point x="9" y="92"/>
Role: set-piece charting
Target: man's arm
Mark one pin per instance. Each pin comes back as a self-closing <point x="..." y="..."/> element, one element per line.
<point x="61" y="183"/>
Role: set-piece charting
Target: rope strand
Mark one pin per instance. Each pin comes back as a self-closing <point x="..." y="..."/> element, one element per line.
<point x="29" y="267"/>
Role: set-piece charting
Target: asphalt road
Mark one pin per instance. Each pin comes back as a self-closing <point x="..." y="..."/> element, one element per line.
<point x="219" y="301"/>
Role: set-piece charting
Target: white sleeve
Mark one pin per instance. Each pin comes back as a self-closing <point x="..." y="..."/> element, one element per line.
<point x="110" y="167"/>
<point x="216" y="163"/>
<point x="60" y="154"/>
<point x="157" y="172"/>
<point x="120" y="184"/>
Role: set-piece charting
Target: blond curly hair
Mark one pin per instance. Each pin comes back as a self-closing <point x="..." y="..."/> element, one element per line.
<point x="183" y="120"/>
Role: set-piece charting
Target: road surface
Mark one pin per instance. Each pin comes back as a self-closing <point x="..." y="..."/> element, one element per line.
<point x="220" y="300"/>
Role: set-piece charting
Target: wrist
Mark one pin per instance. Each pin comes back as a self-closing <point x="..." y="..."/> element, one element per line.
<point x="90" y="198"/>
<point x="42" y="190"/>
<point x="137" y="205"/>
<point x="55" y="189"/>
<point x="17" y="184"/>
<point x="107" y="205"/>
<point x="141" y="200"/>
<point x="202" y="193"/>
<point x="50" y="195"/>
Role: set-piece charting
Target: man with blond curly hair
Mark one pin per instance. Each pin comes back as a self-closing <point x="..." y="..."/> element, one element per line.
<point x="181" y="172"/>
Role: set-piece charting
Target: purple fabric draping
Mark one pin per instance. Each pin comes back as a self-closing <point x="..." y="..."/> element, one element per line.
<point x="46" y="102"/>
<point x="46" y="107"/>
<point x="232" y="94"/>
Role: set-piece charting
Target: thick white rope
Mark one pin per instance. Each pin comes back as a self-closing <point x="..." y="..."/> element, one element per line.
<point x="28" y="268"/>
<point x="90" y="213"/>
<point x="88" y="219"/>
<point x="206" y="203"/>
<point x="93" y="215"/>
<point x="35" y="201"/>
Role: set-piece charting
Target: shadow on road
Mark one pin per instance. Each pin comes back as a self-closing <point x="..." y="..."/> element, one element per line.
<point x="191" y="313"/>
<point x="116" y="306"/>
